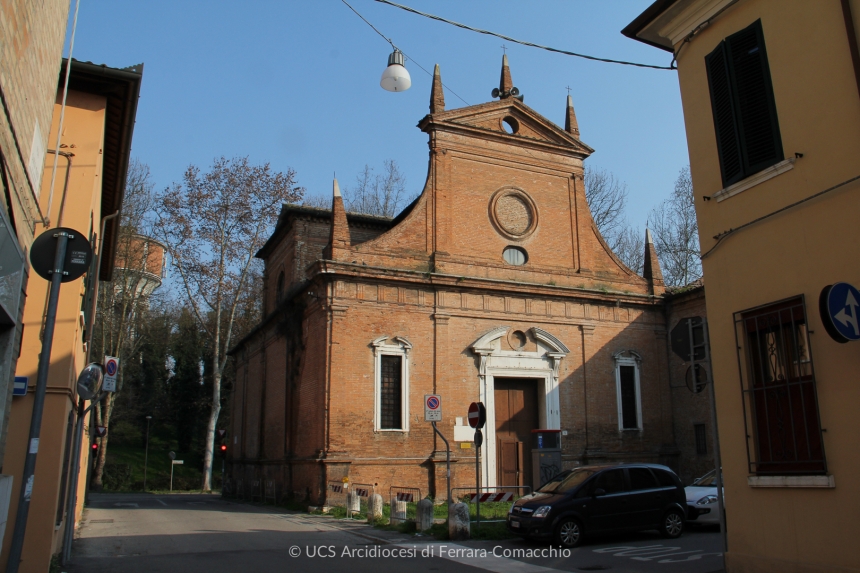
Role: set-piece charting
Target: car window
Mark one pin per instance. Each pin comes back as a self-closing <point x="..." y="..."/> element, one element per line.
<point x="641" y="478"/>
<point x="610" y="481"/>
<point x="707" y="480"/>
<point x="665" y="478"/>
<point x="566" y="482"/>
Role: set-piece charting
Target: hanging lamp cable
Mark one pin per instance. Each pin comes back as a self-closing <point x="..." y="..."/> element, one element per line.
<point x="401" y="51"/>
<point x="523" y="42"/>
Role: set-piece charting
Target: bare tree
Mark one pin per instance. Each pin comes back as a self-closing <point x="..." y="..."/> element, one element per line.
<point x="630" y="247"/>
<point x="123" y="307"/>
<point x="676" y="233"/>
<point x="383" y="194"/>
<point x="212" y="224"/>
<point x="607" y="199"/>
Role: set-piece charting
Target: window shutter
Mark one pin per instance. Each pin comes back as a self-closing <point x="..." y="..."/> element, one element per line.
<point x="745" y="120"/>
<point x="728" y="143"/>
<point x="757" y="123"/>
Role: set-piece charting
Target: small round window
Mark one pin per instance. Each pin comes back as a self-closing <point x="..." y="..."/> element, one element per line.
<point x="510" y="125"/>
<point x="515" y="256"/>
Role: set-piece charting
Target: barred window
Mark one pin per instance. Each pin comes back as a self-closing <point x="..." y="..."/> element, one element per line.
<point x="391" y="395"/>
<point x="701" y="439"/>
<point x="780" y="395"/>
<point x="391" y="384"/>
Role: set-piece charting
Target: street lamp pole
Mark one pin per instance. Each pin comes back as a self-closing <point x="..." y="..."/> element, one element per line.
<point x="146" y="452"/>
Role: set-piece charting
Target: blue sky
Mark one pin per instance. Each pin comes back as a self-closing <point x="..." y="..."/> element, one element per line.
<point x="296" y="84"/>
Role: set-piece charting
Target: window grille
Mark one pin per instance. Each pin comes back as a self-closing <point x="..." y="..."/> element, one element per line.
<point x="701" y="440"/>
<point x="745" y="120"/>
<point x="778" y="382"/>
<point x="391" y="396"/>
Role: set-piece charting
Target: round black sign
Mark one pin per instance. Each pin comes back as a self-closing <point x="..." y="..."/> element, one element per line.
<point x="479" y="438"/>
<point x="44" y="251"/>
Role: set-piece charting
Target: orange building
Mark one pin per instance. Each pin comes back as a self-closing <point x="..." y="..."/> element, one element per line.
<point x="90" y="181"/>
<point x="771" y="97"/>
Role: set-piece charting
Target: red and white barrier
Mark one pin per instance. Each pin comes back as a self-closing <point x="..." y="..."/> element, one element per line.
<point x="408" y="497"/>
<point x="487" y="497"/>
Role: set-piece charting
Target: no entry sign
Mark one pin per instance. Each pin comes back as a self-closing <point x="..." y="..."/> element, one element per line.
<point x="477" y="415"/>
<point x="432" y="408"/>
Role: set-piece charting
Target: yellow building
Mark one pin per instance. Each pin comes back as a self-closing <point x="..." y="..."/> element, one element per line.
<point x="90" y="182"/>
<point x="771" y="97"/>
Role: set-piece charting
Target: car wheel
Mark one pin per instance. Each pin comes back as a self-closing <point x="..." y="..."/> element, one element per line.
<point x="672" y="524"/>
<point x="568" y="533"/>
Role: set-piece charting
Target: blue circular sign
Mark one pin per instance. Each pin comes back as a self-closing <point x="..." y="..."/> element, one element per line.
<point x="111" y="367"/>
<point x="840" y="311"/>
<point x="432" y="402"/>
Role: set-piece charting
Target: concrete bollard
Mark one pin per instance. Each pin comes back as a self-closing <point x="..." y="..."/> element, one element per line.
<point x="424" y="517"/>
<point x="353" y="503"/>
<point x="398" y="512"/>
<point x="374" y="508"/>
<point x="458" y="522"/>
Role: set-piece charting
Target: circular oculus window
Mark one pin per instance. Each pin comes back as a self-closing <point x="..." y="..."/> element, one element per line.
<point x="515" y="256"/>
<point x="513" y="212"/>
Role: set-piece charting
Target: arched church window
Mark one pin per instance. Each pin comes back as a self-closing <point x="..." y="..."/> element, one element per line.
<point x="280" y="289"/>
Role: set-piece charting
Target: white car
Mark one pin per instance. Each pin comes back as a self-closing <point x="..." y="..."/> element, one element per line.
<point x="703" y="505"/>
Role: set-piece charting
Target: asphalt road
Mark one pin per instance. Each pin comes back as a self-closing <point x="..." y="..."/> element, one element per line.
<point x="133" y="533"/>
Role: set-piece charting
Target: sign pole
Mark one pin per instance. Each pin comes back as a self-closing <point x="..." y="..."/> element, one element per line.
<point x="38" y="406"/>
<point x="478" y="485"/>
<point x="447" y="459"/>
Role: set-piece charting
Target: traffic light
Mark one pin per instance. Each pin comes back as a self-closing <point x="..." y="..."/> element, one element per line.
<point x="222" y="442"/>
<point x="223" y="449"/>
<point x="95" y="447"/>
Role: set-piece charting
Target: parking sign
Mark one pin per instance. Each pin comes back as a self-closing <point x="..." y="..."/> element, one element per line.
<point x="432" y="408"/>
<point x="111" y="369"/>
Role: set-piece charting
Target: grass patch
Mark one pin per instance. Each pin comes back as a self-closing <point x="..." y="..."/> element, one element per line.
<point x="124" y="469"/>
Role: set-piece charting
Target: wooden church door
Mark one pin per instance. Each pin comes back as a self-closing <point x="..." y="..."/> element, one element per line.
<point x="516" y="416"/>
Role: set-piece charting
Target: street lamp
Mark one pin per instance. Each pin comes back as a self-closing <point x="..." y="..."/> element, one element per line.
<point x="146" y="452"/>
<point x="396" y="78"/>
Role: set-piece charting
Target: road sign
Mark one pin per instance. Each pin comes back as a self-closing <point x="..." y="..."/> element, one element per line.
<point x="172" y="455"/>
<point x="101" y="431"/>
<point x="432" y="408"/>
<point x="477" y="415"/>
<point x="178" y="462"/>
<point x="20" y="386"/>
<point x="78" y="254"/>
<point x="222" y="434"/>
<point x="838" y="305"/>
<point x="111" y="369"/>
<point x="682" y="339"/>
<point x="479" y="438"/>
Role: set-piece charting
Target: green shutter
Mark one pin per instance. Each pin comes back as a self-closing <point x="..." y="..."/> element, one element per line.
<point x="760" y="140"/>
<point x="728" y="140"/>
<point x="745" y="121"/>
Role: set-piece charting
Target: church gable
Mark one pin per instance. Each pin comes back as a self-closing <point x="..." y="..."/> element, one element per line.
<point x="509" y="120"/>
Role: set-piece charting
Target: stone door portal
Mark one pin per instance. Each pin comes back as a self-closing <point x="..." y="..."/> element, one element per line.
<point x="516" y="410"/>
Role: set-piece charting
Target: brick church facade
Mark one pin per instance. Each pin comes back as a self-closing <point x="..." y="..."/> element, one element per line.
<point x="493" y="285"/>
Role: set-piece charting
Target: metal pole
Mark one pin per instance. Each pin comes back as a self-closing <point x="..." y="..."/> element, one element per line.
<point x="171" y="474"/>
<point x="146" y="453"/>
<point x="478" y="483"/>
<point x="447" y="458"/>
<point x="718" y="462"/>
<point x="38" y="406"/>
<point x="68" y="533"/>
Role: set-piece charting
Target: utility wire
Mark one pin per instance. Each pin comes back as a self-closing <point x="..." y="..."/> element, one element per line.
<point x="725" y="234"/>
<point x="524" y="43"/>
<point x="401" y="51"/>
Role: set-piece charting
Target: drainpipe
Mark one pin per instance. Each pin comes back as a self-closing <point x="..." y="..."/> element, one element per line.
<point x="68" y="157"/>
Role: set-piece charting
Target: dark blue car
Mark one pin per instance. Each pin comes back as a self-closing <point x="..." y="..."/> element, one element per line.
<point x="596" y="499"/>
